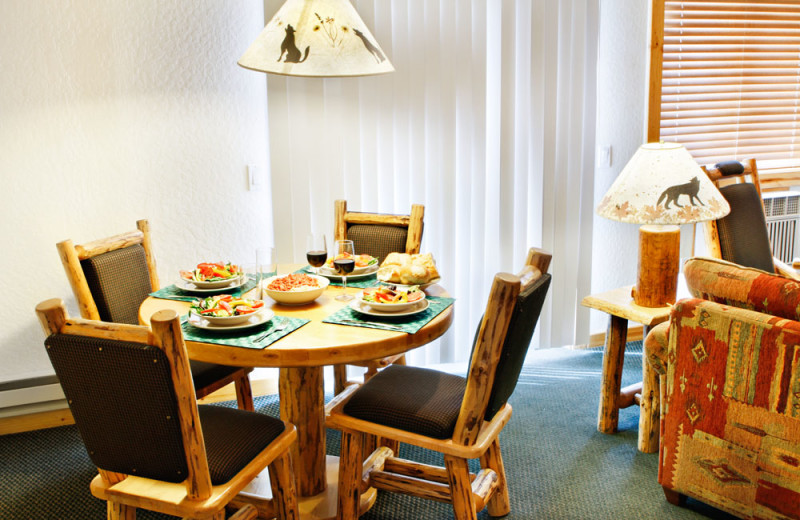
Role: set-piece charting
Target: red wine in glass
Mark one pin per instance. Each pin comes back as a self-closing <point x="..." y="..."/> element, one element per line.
<point x="317" y="258"/>
<point x="344" y="266"/>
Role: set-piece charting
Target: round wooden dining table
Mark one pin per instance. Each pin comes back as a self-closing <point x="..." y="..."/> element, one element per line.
<point x="301" y="357"/>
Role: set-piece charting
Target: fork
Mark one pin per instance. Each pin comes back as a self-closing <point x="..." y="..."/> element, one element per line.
<point x="279" y="326"/>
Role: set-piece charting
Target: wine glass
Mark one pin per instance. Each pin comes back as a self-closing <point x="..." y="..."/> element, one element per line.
<point x="344" y="261"/>
<point x="316" y="251"/>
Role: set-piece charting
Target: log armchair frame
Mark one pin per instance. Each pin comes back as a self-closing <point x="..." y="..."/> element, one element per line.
<point x="414" y="225"/>
<point x="474" y="436"/>
<point x="71" y="256"/>
<point x="196" y="496"/>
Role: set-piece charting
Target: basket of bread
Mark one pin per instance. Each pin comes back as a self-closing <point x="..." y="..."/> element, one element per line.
<point x="406" y="269"/>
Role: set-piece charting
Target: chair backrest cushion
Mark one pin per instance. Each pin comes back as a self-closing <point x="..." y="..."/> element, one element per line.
<point x="515" y="347"/>
<point x="119" y="282"/>
<point x="413" y="399"/>
<point x="743" y="234"/>
<point x="724" y="282"/>
<point x="377" y="240"/>
<point x="123" y="400"/>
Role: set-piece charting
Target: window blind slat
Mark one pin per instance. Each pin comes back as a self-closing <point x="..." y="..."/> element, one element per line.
<point x="731" y="78"/>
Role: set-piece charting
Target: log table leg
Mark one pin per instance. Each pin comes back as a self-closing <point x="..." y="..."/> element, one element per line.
<point x="613" y="358"/>
<point x="302" y="403"/>
<point x="649" y="414"/>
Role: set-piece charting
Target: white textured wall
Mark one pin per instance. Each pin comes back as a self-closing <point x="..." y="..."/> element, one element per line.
<point x="622" y="77"/>
<point x="112" y="111"/>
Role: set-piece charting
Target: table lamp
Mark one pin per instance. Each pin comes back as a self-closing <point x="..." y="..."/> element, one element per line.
<point x="661" y="186"/>
<point x="318" y="38"/>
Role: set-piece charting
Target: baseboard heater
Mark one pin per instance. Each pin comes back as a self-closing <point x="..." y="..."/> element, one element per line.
<point x="32" y="395"/>
<point x="782" y="210"/>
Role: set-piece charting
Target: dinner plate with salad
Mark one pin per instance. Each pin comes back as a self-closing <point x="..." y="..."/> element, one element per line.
<point x="213" y="275"/>
<point x="228" y="312"/>
<point x="385" y="299"/>
<point x="365" y="265"/>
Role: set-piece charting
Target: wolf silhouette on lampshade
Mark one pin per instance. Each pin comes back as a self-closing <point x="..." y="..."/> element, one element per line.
<point x="318" y="38"/>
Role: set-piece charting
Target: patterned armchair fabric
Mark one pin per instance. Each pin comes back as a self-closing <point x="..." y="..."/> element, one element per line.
<point x="730" y="423"/>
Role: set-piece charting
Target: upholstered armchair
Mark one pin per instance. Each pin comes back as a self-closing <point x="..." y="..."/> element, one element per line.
<point x="729" y="365"/>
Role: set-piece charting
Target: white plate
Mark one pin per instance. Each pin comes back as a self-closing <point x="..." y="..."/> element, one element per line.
<point x="228" y="321"/>
<point x="405" y="287"/>
<point x="363" y="308"/>
<point x="389" y="308"/>
<point x="216" y="284"/>
<point x="186" y="285"/>
<point x="254" y="321"/>
<point x="331" y="274"/>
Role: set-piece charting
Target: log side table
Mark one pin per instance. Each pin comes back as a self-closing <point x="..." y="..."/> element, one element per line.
<point x="620" y="307"/>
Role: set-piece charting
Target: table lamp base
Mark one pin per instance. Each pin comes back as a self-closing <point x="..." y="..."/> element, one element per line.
<point x="659" y="258"/>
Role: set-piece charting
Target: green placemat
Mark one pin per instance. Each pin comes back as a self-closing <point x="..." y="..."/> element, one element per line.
<point x="409" y="324"/>
<point x="361" y="283"/>
<point x="172" y="292"/>
<point x="245" y="338"/>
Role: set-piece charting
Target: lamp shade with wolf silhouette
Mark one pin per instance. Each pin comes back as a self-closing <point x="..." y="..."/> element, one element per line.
<point x="317" y="38"/>
<point x="662" y="184"/>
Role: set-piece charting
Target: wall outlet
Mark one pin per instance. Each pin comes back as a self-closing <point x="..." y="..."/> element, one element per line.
<point x="255" y="178"/>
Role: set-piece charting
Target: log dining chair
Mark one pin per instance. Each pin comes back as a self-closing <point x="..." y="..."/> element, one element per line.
<point x="111" y="277"/>
<point x="129" y="389"/>
<point x="458" y="417"/>
<point x="742" y="236"/>
<point x="376" y="234"/>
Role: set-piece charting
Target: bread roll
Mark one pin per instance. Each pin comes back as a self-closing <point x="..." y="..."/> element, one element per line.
<point x="427" y="261"/>
<point x="413" y="274"/>
<point x="397" y="259"/>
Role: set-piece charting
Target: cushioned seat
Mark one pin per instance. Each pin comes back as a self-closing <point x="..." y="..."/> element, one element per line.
<point x="428" y="405"/>
<point x="234" y="437"/>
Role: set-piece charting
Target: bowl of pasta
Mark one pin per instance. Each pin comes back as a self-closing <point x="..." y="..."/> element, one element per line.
<point x="295" y="288"/>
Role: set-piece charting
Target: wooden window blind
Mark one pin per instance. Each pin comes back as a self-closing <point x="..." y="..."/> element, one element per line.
<point x="730" y="85"/>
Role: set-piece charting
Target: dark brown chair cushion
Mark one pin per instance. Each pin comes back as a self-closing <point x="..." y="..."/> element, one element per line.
<point x="122" y="398"/>
<point x="518" y="339"/>
<point x="417" y="400"/>
<point x="377" y="240"/>
<point x="123" y="402"/>
<point x="234" y="437"/>
<point x="119" y="283"/>
<point x="743" y="234"/>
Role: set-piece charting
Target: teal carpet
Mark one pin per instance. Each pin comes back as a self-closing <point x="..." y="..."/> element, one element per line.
<point x="558" y="465"/>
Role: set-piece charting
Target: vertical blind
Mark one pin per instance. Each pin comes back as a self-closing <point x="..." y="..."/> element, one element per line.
<point x="488" y="120"/>
<point x="731" y="80"/>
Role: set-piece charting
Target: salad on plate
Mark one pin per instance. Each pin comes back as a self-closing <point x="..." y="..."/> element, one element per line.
<point x="390" y="299"/>
<point x="225" y="306"/>
<point x="212" y="272"/>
